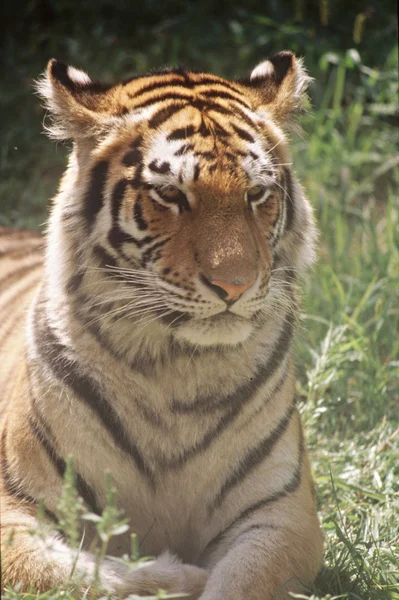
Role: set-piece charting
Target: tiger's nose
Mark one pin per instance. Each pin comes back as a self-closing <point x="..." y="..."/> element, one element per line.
<point x="229" y="292"/>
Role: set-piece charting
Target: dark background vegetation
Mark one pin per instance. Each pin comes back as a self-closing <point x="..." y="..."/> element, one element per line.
<point x="119" y="38"/>
<point x="347" y="160"/>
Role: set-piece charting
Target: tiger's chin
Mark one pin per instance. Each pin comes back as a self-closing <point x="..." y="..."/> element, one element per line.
<point x="220" y="330"/>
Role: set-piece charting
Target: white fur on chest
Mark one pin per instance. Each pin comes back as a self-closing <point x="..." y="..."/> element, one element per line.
<point x="188" y="451"/>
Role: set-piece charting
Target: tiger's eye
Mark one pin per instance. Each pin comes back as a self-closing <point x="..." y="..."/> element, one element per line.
<point x="170" y="192"/>
<point x="172" y="195"/>
<point x="255" y="193"/>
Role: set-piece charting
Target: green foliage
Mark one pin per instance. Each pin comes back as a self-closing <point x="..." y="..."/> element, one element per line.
<point x="348" y="349"/>
<point x="70" y="507"/>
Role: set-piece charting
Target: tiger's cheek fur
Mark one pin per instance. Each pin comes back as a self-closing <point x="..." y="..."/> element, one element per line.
<point x="208" y="227"/>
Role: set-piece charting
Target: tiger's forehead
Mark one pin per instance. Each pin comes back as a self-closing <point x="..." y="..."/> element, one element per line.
<point x="180" y="85"/>
<point x="194" y="143"/>
<point x="195" y="126"/>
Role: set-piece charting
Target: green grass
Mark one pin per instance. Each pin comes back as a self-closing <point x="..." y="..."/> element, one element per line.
<point x="348" y="348"/>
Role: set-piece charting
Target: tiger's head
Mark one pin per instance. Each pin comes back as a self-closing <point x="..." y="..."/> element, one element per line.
<point x="179" y="197"/>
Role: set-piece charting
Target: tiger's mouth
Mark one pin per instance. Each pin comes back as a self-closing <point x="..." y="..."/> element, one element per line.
<point x="224" y="328"/>
<point x="176" y="318"/>
<point x="225" y="318"/>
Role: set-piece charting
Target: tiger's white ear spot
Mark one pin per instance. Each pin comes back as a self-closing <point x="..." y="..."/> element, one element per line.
<point x="264" y="69"/>
<point x="72" y="98"/>
<point x="280" y="85"/>
<point x="77" y="76"/>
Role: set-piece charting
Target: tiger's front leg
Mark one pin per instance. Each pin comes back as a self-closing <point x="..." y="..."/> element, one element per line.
<point x="275" y="550"/>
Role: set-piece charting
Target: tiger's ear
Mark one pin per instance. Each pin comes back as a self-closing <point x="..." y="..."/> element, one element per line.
<point x="76" y="103"/>
<point x="279" y="85"/>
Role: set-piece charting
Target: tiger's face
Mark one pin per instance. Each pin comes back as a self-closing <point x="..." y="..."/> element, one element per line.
<point x="187" y="196"/>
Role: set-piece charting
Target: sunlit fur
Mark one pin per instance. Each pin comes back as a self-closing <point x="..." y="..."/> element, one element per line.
<point x="179" y="183"/>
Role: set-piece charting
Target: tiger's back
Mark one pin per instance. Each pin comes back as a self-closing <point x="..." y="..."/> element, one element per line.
<point x="21" y="266"/>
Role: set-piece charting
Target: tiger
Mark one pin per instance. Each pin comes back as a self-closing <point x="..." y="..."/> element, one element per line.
<point x="149" y="333"/>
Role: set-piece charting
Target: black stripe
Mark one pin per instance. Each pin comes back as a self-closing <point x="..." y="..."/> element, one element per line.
<point x="244" y="117"/>
<point x="215" y="81"/>
<point x="247" y="390"/>
<point x="94" y="197"/>
<point x="150" y="415"/>
<point x="289" y="488"/>
<point x="218" y="108"/>
<point x="97" y="310"/>
<point x="179" y="200"/>
<point x="137" y="180"/>
<point x="157" y="206"/>
<point x="138" y="213"/>
<point x="201" y="104"/>
<point x="231" y="157"/>
<point x="256" y="527"/>
<point x="106" y="260"/>
<point x="208" y="155"/>
<point x="83" y="488"/>
<point x="137" y="142"/>
<point x="74" y="282"/>
<point x="252" y="459"/>
<point x="225" y="95"/>
<point x="234" y="404"/>
<point x="198" y="102"/>
<point x="117" y="236"/>
<point x="163" y="168"/>
<point x="132" y="158"/>
<point x="276" y="390"/>
<point x="148" y="254"/>
<point x="218" y="130"/>
<point x="68" y="372"/>
<point x="181" y="133"/>
<point x="58" y="462"/>
<point x="184" y="149"/>
<point x="232" y="542"/>
<point x="14" y="487"/>
<point x="253" y="527"/>
<point x="203" y="129"/>
<point x="185" y="100"/>
<point x="99" y="336"/>
<point x="35" y="409"/>
<point x="143" y="362"/>
<point x="160" y="84"/>
<point x="244" y="135"/>
<point x="181" y="82"/>
<point x="196" y="172"/>
<point x="289" y="200"/>
<point x="43" y="433"/>
<point x="162" y="115"/>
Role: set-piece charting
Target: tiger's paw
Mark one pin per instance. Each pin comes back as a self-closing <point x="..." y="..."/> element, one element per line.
<point x="165" y="573"/>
